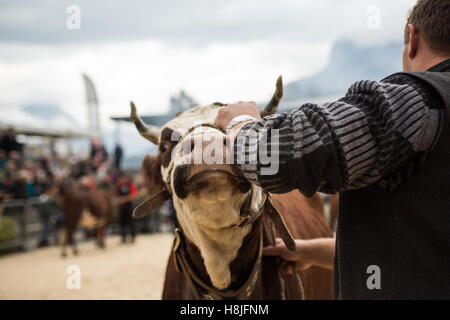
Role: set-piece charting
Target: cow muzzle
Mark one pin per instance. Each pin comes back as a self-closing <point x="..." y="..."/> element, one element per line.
<point x="210" y="183"/>
<point x="203" y="166"/>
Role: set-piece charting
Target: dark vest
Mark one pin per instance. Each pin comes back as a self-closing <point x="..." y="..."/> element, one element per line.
<point x="405" y="232"/>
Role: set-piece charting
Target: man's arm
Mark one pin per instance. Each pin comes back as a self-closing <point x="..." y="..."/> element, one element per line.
<point x="312" y="252"/>
<point x="347" y="144"/>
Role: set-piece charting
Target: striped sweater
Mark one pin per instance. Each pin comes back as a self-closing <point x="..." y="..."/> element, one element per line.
<point x="379" y="132"/>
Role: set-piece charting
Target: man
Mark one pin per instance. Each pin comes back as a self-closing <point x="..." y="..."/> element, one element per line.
<point x="126" y="193"/>
<point x="118" y="153"/>
<point x="8" y="142"/>
<point x="386" y="147"/>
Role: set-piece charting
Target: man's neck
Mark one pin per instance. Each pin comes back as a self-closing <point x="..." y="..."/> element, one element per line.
<point x="428" y="62"/>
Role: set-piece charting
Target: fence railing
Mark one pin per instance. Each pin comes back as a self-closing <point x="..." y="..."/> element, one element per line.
<point x="25" y="222"/>
<point x="33" y="220"/>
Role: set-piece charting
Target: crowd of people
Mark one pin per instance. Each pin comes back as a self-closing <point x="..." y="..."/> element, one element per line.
<point x="42" y="176"/>
<point x="22" y="177"/>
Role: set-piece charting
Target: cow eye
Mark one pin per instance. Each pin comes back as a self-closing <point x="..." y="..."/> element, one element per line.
<point x="163" y="147"/>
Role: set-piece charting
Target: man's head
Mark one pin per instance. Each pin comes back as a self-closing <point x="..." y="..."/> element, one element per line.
<point x="427" y="35"/>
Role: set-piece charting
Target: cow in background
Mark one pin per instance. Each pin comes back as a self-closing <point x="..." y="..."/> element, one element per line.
<point x="81" y="198"/>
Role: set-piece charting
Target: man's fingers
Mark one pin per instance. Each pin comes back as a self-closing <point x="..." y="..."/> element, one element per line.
<point x="271" y="251"/>
<point x="286" y="266"/>
<point x="244" y="102"/>
<point x="253" y="103"/>
<point x="227" y="113"/>
<point x="279" y="242"/>
<point x="275" y="250"/>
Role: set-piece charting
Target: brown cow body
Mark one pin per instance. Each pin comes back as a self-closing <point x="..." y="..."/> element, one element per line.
<point x="305" y="219"/>
<point x="76" y="199"/>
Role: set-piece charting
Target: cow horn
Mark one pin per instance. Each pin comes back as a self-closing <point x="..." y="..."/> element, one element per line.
<point x="272" y="106"/>
<point x="150" y="133"/>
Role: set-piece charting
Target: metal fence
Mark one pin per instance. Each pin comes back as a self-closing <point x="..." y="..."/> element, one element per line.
<point x="35" y="221"/>
<point x="25" y="222"/>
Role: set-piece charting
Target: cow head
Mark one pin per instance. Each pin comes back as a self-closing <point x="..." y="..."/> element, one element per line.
<point x="207" y="191"/>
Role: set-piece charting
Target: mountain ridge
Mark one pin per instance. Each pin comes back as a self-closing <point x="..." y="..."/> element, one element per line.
<point x="348" y="63"/>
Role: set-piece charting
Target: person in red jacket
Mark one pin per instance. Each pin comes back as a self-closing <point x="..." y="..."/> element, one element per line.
<point x="126" y="192"/>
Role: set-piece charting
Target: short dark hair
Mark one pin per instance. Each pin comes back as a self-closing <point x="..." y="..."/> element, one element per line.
<point x="431" y="18"/>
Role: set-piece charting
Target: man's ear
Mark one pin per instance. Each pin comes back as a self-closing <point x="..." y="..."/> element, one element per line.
<point x="413" y="41"/>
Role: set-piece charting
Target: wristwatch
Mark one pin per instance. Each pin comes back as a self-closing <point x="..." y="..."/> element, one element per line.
<point x="239" y="119"/>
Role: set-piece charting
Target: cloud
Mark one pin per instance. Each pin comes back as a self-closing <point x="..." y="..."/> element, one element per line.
<point x="147" y="50"/>
<point x="199" y="22"/>
<point x="149" y="72"/>
<point x="217" y="50"/>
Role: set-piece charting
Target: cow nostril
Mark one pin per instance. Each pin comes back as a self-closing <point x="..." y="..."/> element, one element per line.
<point x="180" y="177"/>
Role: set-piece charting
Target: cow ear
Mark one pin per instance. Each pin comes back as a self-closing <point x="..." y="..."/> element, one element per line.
<point x="151" y="172"/>
<point x="151" y="203"/>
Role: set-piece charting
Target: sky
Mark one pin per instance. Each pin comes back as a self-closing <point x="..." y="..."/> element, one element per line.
<point x="216" y="50"/>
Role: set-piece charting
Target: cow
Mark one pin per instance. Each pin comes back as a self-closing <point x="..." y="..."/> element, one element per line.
<point x="225" y="221"/>
<point x="81" y="197"/>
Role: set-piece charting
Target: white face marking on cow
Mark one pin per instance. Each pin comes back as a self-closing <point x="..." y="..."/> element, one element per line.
<point x="165" y="173"/>
<point x="186" y="120"/>
<point x="205" y="213"/>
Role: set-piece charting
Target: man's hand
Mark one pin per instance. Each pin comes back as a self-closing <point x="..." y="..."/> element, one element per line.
<point x="227" y="113"/>
<point x="313" y="252"/>
<point x="299" y="256"/>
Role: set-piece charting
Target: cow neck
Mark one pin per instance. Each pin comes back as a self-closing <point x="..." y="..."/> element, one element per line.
<point x="245" y="266"/>
<point x="242" y="265"/>
<point x="218" y="247"/>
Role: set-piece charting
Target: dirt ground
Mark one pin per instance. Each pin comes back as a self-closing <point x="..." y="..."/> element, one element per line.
<point x="130" y="271"/>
